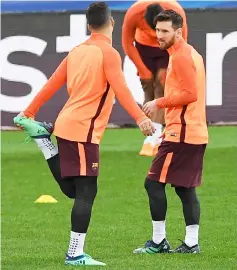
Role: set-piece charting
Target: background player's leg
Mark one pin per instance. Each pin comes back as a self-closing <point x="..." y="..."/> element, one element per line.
<point x="161" y="60"/>
<point x="148" y="88"/>
<point x="191" y="211"/>
<point x="86" y="190"/>
<point x="158" y="208"/>
<point x="148" y="55"/>
<point x="159" y="116"/>
<point x="159" y="84"/>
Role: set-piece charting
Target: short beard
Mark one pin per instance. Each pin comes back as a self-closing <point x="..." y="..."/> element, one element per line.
<point x="169" y="44"/>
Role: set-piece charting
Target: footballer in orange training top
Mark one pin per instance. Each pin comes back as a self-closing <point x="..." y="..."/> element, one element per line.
<point x="93" y="74"/>
<point x="151" y="62"/>
<point x="179" y="161"/>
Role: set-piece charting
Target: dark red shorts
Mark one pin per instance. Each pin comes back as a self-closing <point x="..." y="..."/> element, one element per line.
<point x="153" y="57"/>
<point x="179" y="164"/>
<point x="78" y="159"/>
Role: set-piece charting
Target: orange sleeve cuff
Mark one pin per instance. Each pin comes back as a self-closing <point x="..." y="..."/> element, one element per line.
<point x="141" y="118"/>
<point x="29" y="114"/>
<point x="160" y="103"/>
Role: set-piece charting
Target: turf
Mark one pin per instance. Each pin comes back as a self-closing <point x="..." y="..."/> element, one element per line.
<point x="35" y="236"/>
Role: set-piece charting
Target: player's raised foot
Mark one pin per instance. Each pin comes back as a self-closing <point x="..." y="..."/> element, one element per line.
<point x="186" y="249"/>
<point x="147" y="150"/>
<point x="152" y="248"/>
<point x="34" y="129"/>
<point x="82" y="260"/>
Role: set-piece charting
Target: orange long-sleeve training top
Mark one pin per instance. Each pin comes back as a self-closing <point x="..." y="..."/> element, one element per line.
<point x="93" y="74"/>
<point x="135" y="28"/>
<point x="185" y="96"/>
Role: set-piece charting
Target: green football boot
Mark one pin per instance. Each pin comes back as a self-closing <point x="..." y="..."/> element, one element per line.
<point x="82" y="260"/>
<point x="153" y="248"/>
<point x="34" y="129"/>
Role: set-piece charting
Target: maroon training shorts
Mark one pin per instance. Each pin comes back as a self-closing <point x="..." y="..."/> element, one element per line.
<point x="153" y="57"/>
<point x="78" y="158"/>
<point x="178" y="164"/>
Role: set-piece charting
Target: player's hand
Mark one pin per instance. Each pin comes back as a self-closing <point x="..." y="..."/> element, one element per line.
<point x="146" y="127"/>
<point x="145" y="74"/>
<point x="21" y="114"/>
<point x="150" y="108"/>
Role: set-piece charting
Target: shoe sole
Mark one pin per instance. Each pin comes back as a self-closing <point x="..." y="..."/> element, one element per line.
<point x="75" y="264"/>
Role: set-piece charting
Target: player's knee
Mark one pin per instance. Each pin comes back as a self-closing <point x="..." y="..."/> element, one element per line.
<point x="183" y="190"/>
<point x="161" y="76"/>
<point x="86" y="187"/>
<point x="93" y="193"/>
<point x="154" y="188"/>
<point x="88" y="194"/>
<point x="147" y="184"/>
<point x="187" y="195"/>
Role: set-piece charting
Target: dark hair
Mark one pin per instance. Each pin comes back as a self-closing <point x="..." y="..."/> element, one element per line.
<point x="151" y="12"/>
<point x="170" y="16"/>
<point x="97" y="14"/>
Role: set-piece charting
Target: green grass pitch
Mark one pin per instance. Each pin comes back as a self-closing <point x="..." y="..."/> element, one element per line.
<point x="36" y="236"/>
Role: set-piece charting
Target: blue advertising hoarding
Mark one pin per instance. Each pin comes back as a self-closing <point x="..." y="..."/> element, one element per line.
<point x="8" y="6"/>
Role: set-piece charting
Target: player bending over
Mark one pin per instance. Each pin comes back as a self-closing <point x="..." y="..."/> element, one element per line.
<point x="140" y="44"/>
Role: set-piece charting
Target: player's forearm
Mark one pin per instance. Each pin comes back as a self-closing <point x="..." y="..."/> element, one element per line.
<point x="182" y="99"/>
<point x="39" y="100"/>
<point x="133" y="54"/>
<point x="48" y="90"/>
<point x="55" y="82"/>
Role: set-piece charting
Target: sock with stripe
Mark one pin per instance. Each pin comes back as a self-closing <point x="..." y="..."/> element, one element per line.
<point x="47" y="147"/>
<point x="76" y="246"/>
<point x="86" y="190"/>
